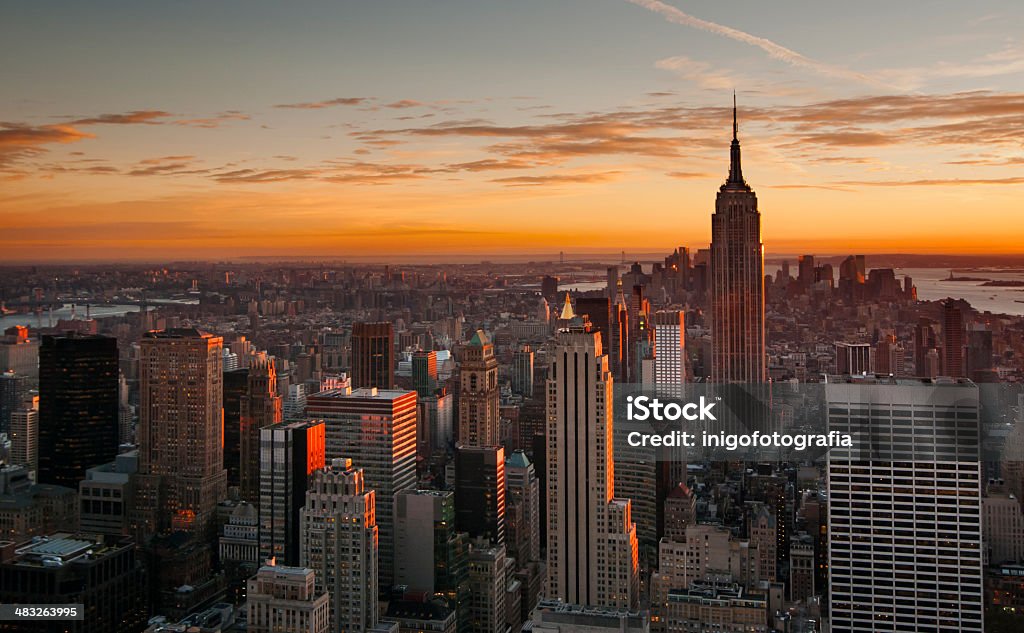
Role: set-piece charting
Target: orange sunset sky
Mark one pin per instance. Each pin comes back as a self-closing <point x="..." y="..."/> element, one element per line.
<point x="479" y="128"/>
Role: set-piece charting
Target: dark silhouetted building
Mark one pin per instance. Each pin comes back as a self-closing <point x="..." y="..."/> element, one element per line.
<point x="373" y="356"/>
<point x="480" y="492"/>
<point x="953" y="338"/>
<point x="236" y="385"/>
<point x="78" y="406"/>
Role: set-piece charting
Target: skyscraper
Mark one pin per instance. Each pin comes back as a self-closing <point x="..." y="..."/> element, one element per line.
<point x="424" y="372"/>
<point x="373" y="355"/>
<point x="737" y="279"/>
<point x="290" y="452"/>
<point x="480" y="492"/>
<point x="181" y="475"/>
<point x="592" y="542"/>
<point x="670" y="352"/>
<point x="261" y="406"/>
<point x="78" y="406"/>
<point x="236" y="386"/>
<point x="522" y="502"/>
<point x="339" y="542"/>
<point x="487" y="583"/>
<point x="376" y="428"/>
<point x="430" y="554"/>
<point x="479" y="395"/>
<point x="24" y="434"/>
<point x="904" y="508"/>
<point x="953" y="338"/>
<point x="522" y="372"/>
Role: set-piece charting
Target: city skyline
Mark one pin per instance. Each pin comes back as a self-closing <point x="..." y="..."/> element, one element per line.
<point x="212" y="139"/>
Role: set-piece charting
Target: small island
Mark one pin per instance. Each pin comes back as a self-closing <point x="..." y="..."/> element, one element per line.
<point x="1005" y="283"/>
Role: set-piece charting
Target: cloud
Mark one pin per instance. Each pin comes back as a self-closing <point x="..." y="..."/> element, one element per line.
<point x="775" y="51"/>
<point x="932" y="182"/>
<point x="490" y="164"/>
<point x="689" y="175"/>
<point x="558" y="179"/>
<point x="405" y="103"/>
<point x="701" y="73"/>
<point x="264" y="175"/>
<point x="1007" y="61"/>
<point x="214" y="121"/>
<point x="165" y="166"/>
<point x="148" y="117"/>
<point x="330" y="103"/>
<point x="19" y="141"/>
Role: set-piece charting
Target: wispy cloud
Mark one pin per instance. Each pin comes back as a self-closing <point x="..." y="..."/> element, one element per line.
<point x="329" y="103"/>
<point x="148" y="117"/>
<point x="935" y="182"/>
<point x="19" y="141"/>
<point x="559" y="179"/>
<point x="774" y="50"/>
<point x="214" y="121"/>
<point x="701" y="73"/>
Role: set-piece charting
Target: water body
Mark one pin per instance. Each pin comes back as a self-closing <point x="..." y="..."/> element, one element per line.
<point x="64" y="312"/>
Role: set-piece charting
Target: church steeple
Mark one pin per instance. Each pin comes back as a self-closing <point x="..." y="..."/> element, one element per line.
<point x="735" y="170"/>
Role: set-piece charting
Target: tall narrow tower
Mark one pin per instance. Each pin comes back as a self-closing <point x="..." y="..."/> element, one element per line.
<point x="737" y="279"/>
<point x="479" y="424"/>
<point x="592" y="542"/>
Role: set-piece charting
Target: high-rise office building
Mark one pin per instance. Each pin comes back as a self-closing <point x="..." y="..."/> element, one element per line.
<point x="670" y="352"/>
<point x="236" y="386"/>
<point x="487" y="578"/>
<point x="480" y="492"/>
<point x="430" y="554"/>
<point x="479" y="394"/>
<point x="106" y="494"/>
<point x="592" y="541"/>
<point x="78" y="406"/>
<point x="339" y="542"/>
<point x="953" y="338"/>
<point x="181" y="476"/>
<point x="260" y="407"/>
<point x="24" y="435"/>
<point x="620" y="337"/>
<point x="925" y="341"/>
<point x="286" y="599"/>
<point x="290" y="452"/>
<point x="853" y="359"/>
<point x="737" y="280"/>
<point x="598" y="311"/>
<point x="522" y="503"/>
<point x="19" y="353"/>
<point x="549" y="288"/>
<point x="376" y="428"/>
<point x="904" y="507"/>
<point x="13" y="389"/>
<point x="424" y="372"/>
<point x="522" y="372"/>
<point x="373" y="355"/>
<point x="889" y="356"/>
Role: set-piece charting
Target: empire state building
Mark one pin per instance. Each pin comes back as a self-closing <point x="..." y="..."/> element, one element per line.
<point x="737" y="279"/>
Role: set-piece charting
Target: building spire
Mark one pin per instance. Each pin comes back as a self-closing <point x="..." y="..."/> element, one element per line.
<point x="735" y="171"/>
<point x="735" y="126"/>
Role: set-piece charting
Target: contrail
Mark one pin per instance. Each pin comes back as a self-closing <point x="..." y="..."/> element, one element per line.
<point x="774" y="50"/>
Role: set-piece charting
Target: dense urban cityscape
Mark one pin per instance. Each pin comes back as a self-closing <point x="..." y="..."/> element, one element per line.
<point x="319" y="446"/>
